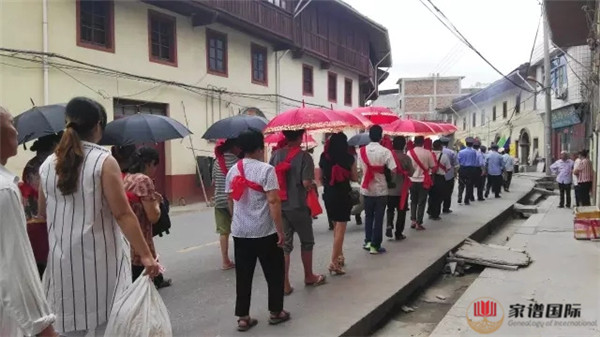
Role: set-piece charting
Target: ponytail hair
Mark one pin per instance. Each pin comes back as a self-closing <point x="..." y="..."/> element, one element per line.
<point x="83" y="114"/>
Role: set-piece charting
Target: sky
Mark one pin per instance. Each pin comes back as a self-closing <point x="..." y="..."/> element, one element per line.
<point x="502" y="30"/>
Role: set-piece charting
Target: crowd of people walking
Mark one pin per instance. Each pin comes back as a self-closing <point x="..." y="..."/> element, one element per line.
<point x="100" y="208"/>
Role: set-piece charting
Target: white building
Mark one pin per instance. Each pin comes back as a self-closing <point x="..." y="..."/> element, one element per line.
<point x="195" y="61"/>
<point x="514" y="108"/>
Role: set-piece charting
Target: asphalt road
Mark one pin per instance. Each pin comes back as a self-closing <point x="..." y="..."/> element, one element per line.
<point x="192" y="259"/>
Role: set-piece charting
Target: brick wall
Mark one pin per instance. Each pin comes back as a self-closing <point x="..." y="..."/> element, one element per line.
<point x="448" y="87"/>
<point x="420" y="87"/>
<point x="416" y="104"/>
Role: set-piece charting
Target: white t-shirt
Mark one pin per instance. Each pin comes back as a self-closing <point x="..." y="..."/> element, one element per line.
<point x="251" y="216"/>
<point x="378" y="156"/>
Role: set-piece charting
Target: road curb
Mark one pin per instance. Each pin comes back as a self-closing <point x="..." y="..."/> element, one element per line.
<point x="381" y="313"/>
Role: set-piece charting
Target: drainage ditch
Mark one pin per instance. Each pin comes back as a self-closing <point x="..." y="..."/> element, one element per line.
<point x="422" y="311"/>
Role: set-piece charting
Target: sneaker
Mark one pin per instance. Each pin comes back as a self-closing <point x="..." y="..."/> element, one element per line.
<point x="400" y="237"/>
<point x="447" y="211"/>
<point x="388" y="232"/>
<point x="375" y="251"/>
<point x="367" y="246"/>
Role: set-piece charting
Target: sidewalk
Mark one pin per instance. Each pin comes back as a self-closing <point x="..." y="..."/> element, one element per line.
<point x="564" y="271"/>
<point x="202" y="300"/>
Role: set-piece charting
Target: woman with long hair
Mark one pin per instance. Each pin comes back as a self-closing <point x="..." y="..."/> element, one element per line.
<point x="338" y="167"/>
<point x="145" y="203"/>
<point x="84" y="203"/>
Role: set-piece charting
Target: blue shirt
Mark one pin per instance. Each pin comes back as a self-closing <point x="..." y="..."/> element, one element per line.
<point x="468" y="157"/>
<point x="480" y="159"/>
<point x="495" y="164"/>
<point x="453" y="162"/>
<point x="508" y="162"/>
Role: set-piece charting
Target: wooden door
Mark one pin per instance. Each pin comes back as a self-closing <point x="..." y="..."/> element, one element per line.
<point x="125" y="108"/>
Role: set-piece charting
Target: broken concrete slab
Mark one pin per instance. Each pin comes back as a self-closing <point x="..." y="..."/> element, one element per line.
<point x="495" y="256"/>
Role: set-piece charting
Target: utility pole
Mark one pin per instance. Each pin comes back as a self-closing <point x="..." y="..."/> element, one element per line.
<point x="548" y="89"/>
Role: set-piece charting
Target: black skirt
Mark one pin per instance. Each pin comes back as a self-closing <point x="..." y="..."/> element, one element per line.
<point x="338" y="204"/>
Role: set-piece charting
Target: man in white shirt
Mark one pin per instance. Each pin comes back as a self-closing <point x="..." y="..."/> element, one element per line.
<point x="23" y="306"/>
<point x="438" y="190"/>
<point x="423" y="161"/>
<point x="374" y="159"/>
<point x="509" y="167"/>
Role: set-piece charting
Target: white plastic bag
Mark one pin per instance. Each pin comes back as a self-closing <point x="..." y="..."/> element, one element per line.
<point x="139" y="312"/>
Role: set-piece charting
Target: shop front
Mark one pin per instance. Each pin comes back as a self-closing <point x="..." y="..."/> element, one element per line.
<point x="568" y="129"/>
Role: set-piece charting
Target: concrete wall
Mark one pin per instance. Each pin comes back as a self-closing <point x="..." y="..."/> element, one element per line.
<point x="21" y="80"/>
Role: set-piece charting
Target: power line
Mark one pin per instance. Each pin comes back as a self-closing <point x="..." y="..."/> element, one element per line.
<point x="450" y="26"/>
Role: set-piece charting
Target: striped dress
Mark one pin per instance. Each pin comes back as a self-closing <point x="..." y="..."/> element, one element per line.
<point x="89" y="263"/>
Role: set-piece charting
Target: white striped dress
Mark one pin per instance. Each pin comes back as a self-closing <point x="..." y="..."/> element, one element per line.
<point x="89" y="263"/>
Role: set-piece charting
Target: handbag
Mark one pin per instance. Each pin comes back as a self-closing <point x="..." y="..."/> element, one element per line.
<point x="312" y="201"/>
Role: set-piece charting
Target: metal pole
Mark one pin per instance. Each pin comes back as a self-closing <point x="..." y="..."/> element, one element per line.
<point x="548" y="89"/>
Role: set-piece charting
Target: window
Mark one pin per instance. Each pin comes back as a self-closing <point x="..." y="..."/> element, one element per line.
<point x="216" y="53"/>
<point x="307" y="80"/>
<point x="259" y="64"/>
<point x="474" y="119"/>
<point x="332" y="87"/>
<point x="279" y="3"/>
<point x="494" y="113"/>
<point x="163" y="38"/>
<point x="504" y="109"/>
<point x="536" y="143"/>
<point x="482" y="117"/>
<point x="348" y="92"/>
<point x="518" y="104"/>
<point x="400" y="104"/>
<point x="95" y="25"/>
<point x="558" y="76"/>
<point x="464" y="123"/>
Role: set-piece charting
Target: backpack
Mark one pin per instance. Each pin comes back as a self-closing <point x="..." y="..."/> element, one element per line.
<point x="164" y="222"/>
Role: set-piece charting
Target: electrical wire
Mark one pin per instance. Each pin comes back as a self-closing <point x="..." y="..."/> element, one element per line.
<point x="452" y="28"/>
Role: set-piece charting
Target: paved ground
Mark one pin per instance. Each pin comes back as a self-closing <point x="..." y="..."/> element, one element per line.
<point x="201" y="299"/>
<point x="564" y="271"/>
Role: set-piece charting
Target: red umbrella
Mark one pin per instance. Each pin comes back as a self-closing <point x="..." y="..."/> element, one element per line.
<point x="378" y="114"/>
<point x="355" y="120"/>
<point x="310" y="119"/>
<point x="275" y="138"/>
<point x="436" y="127"/>
<point x="448" y="128"/>
<point x="408" y="127"/>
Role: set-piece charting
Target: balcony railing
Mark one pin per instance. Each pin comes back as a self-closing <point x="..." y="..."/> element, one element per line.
<point x="259" y="13"/>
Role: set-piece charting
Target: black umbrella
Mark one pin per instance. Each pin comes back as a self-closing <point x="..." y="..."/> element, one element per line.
<point x="142" y="128"/>
<point x="231" y="127"/>
<point x="40" y="121"/>
<point x="359" y="140"/>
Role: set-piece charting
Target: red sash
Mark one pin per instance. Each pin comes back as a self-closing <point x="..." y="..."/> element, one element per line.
<point x="27" y="190"/>
<point x="131" y="197"/>
<point x="338" y="174"/>
<point x="371" y="170"/>
<point x="240" y="183"/>
<point x="221" y="161"/>
<point x="406" y="182"/>
<point x="282" y="169"/>
<point x="427" y="182"/>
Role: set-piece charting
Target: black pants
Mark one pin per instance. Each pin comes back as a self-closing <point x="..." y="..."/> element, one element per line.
<point x="508" y="180"/>
<point x="495" y="183"/>
<point x="448" y="197"/>
<point x="584" y="193"/>
<point x="374" y="214"/>
<point x="468" y="176"/>
<point x="136" y="271"/>
<point x="418" y="202"/>
<point x="576" y="192"/>
<point x="436" y="195"/>
<point x="393" y="205"/>
<point x="270" y="256"/>
<point x="565" y="189"/>
<point x="479" y="182"/>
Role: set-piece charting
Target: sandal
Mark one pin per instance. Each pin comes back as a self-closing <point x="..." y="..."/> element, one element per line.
<point x="413" y="224"/>
<point x="420" y="227"/>
<point x="278" y="319"/>
<point x="165" y="283"/>
<point x="288" y="293"/>
<point x="249" y="323"/>
<point x="231" y="265"/>
<point x="320" y="281"/>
